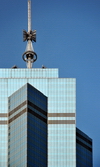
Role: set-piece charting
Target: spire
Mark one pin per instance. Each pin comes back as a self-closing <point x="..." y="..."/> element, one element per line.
<point x="29" y="55"/>
<point x="29" y="15"/>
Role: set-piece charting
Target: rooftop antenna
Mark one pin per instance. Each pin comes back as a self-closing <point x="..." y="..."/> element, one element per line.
<point x="29" y="55"/>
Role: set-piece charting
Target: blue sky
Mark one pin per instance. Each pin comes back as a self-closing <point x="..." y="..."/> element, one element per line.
<point x="68" y="38"/>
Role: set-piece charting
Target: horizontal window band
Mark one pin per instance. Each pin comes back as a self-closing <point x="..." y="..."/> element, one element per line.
<point x="84" y="138"/>
<point x="28" y="103"/>
<point x="61" y="114"/>
<point x="37" y="108"/>
<point x="17" y="108"/>
<point x="31" y="112"/>
<point x="3" y="115"/>
<point x="61" y="121"/>
<point x="17" y="115"/>
<point x="37" y="115"/>
<point x="3" y="122"/>
<point x="84" y="145"/>
<point x="43" y="112"/>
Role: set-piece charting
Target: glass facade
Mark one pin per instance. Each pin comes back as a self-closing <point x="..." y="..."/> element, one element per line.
<point x="83" y="149"/>
<point x="61" y="123"/>
<point x="37" y="129"/>
<point x="61" y="93"/>
<point x="27" y="123"/>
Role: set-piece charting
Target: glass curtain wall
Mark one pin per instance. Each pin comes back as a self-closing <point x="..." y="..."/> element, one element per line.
<point x="61" y="93"/>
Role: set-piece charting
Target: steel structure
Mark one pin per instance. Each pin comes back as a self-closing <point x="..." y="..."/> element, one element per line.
<point x="29" y="55"/>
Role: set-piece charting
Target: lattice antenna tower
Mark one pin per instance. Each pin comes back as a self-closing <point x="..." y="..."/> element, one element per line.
<point x="29" y="55"/>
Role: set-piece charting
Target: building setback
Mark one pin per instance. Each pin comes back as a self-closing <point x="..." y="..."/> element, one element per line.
<point x="84" y="152"/>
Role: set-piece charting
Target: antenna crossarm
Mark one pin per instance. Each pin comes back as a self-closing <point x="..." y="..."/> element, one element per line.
<point x="29" y="35"/>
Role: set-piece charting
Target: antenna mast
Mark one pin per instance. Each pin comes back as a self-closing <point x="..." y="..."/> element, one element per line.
<point x="29" y="15"/>
<point x="29" y="55"/>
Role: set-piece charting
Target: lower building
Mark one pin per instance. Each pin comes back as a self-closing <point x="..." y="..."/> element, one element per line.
<point x="27" y="140"/>
<point x="84" y="157"/>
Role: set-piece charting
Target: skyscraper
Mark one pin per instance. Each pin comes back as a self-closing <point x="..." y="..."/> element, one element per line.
<point x="61" y="124"/>
<point x="27" y="128"/>
<point x="19" y="120"/>
<point x="61" y="93"/>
